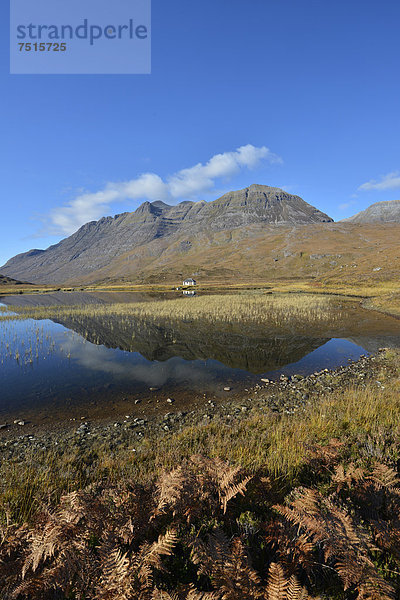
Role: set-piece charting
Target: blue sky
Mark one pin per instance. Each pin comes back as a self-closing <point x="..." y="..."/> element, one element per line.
<point x="299" y="94"/>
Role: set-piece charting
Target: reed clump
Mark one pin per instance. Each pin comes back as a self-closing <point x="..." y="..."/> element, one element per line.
<point x="279" y="311"/>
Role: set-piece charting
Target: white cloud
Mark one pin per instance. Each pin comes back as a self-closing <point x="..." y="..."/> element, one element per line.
<point x="188" y="183"/>
<point x="182" y="185"/>
<point x="391" y="181"/>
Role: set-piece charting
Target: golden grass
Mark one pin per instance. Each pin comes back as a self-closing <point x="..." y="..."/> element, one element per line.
<point x="280" y="443"/>
<point x="378" y="295"/>
<point x="282" y="311"/>
<point x="388" y="304"/>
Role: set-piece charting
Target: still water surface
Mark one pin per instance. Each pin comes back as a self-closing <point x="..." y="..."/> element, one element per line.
<point x="51" y="368"/>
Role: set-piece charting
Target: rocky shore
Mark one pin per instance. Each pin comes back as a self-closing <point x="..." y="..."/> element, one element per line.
<point x="287" y="395"/>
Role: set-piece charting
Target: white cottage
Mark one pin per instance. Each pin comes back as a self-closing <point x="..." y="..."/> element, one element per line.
<point x="189" y="281"/>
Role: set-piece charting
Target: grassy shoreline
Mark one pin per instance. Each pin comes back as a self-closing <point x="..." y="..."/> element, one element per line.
<point x="361" y="288"/>
<point x="383" y="296"/>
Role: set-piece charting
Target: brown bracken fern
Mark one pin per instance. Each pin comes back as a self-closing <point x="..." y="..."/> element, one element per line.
<point x="208" y="531"/>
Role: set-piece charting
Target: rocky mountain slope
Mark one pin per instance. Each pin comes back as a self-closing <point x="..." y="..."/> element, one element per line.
<point x="123" y="246"/>
<point x="380" y="212"/>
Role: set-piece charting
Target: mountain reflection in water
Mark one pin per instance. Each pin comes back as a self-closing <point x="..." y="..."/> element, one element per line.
<point x="240" y="348"/>
<point x="94" y="359"/>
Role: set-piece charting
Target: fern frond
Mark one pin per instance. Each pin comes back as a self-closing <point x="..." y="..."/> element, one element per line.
<point x="194" y="594"/>
<point x="328" y="453"/>
<point x="346" y="477"/>
<point x="229" y="490"/>
<point x="162" y="547"/>
<point x="295" y="591"/>
<point x="387" y="536"/>
<point x="384" y="477"/>
<point x="163" y="595"/>
<point x="114" y="564"/>
<point x="169" y="489"/>
<point x="376" y="589"/>
<point x="224" y="476"/>
<point x="277" y="582"/>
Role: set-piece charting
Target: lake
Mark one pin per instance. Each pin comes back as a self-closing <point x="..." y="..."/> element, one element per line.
<point x="64" y="368"/>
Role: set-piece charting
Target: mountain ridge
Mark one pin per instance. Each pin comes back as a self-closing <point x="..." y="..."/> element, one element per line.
<point x="152" y="226"/>
<point x="387" y="211"/>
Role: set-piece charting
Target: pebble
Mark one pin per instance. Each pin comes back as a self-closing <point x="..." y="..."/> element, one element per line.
<point x="227" y="389"/>
<point x="82" y="429"/>
<point x="170" y="400"/>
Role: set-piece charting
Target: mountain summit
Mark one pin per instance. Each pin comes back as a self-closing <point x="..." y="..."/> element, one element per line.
<point x="380" y="212"/>
<point x="152" y="228"/>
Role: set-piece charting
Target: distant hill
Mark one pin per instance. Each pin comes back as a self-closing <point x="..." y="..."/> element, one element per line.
<point x="172" y="237"/>
<point x="380" y="212"/>
<point x="9" y="281"/>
